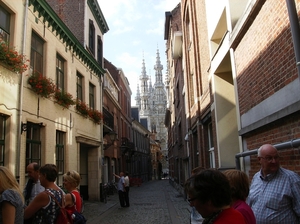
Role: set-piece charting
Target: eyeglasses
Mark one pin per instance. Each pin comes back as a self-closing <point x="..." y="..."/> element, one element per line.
<point x="191" y="199"/>
<point x="270" y="158"/>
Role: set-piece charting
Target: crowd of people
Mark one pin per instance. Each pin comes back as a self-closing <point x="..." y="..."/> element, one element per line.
<point x="228" y="197"/>
<point x="216" y="197"/>
<point x="41" y="199"/>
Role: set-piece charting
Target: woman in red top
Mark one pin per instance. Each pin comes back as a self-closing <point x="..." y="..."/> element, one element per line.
<point x="209" y="192"/>
<point x="72" y="198"/>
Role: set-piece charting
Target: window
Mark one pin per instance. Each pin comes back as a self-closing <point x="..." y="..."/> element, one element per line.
<point x="33" y="143"/>
<point x="36" y="54"/>
<point x="79" y="87"/>
<point x="4" y="24"/>
<point x="2" y="139"/>
<point x="92" y="96"/>
<point x="60" y="73"/>
<point x="99" y="50"/>
<point x="60" y="155"/>
<point x="92" y="37"/>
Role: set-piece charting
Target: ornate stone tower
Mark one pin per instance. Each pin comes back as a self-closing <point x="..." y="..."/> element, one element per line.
<point x="152" y="103"/>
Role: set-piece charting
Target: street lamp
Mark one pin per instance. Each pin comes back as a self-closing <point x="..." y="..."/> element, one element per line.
<point x="112" y="136"/>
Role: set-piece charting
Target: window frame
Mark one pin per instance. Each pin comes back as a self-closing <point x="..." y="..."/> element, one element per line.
<point x="2" y="139"/>
<point x="36" y="53"/>
<point x="79" y="86"/>
<point x="60" y="73"/>
<point x="92" y="37"/>
<point x="91" y="96"/>
<point x="5" y="28"/>
<point x="60" y="156"/>
<point x="33" y="142"/>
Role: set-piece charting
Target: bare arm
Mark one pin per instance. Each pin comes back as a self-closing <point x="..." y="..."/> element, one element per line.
<point x="68" y="200"/>
<point x="116" y="175"/>
<point x="40" y="201"/>
<point x="8" y="213"/>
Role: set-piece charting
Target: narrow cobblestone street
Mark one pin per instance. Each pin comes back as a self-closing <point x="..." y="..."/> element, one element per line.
<point x="153" y="202"/>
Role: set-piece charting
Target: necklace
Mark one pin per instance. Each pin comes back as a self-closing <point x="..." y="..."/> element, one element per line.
<point x="212" y="218"/>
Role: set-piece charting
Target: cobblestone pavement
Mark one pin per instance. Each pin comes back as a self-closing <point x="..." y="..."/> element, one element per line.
<point x="153" y="202"/>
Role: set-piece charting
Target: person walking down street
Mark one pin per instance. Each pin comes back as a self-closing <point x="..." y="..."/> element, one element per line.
<point x="11" y="199"/>
<point x="121" y="188"/>
<point x="239" y="184"/>
<point x="274" y="192"/>
<point x="127" y="185"/>
<point x="209" y="192"/>
<point x="43" y="208"/>
<point x="71" y="181"/>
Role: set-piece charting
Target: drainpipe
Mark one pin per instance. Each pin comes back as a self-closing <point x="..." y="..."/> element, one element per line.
<point x="285" y="145"/>
<point x="295" y="29"/>
<point x="19" y="118"/>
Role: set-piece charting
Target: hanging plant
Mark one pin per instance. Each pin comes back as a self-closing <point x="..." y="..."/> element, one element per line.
<point x="11" y="59"/>
<point x="41" y="85"/>
<point x="63" y="98"/>
<point x="82" y="108"/>
<point x="96" y="116"/>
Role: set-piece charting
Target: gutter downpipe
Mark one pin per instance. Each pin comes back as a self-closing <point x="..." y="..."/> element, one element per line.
<point x="285" y="145"/>
<point x="19" y="119"/>
<point x="295" y="29"/>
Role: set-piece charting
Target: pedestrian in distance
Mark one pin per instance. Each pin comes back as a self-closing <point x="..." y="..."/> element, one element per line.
<point x="239" y="184"/>
<point x="127" y="186"/>
<point x="43" y="208"/>
<point x="274" y="192"/>
<point x="121" y="188"/>
<point x="195" y="216"/>
<point x="209" y="192"/>
<point x="11" y="198"/>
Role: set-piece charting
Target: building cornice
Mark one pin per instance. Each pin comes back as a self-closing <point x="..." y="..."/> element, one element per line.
<point x="98" y="15"/>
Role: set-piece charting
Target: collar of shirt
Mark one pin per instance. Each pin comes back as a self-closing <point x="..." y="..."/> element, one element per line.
<point x="268" y="177"/>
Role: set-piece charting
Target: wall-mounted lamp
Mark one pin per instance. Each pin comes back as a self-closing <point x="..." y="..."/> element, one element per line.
<point x="23" y="127"/>
<point x="112" y="136"/>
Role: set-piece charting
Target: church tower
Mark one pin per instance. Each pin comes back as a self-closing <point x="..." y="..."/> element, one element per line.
<point x="152" y="102"/>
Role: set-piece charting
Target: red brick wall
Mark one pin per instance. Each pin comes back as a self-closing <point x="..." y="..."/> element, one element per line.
<point x="265" y="57"/>
<point x="277" y="132"/>
<point x="71" y="12"/>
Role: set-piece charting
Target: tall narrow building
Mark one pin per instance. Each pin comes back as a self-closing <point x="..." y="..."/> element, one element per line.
<point x="152" y="103"/>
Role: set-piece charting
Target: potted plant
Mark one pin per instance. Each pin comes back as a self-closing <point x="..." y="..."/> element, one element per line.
<point x="11" y="59"/>
<point x="96" y="116"/>
<point x="41" y="85"/>
<point x="63" y="98"/>
<point x="82" y="108"/>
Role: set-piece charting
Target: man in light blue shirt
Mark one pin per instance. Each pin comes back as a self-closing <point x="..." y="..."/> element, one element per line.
<point x="275" y="192"/>
<point x="121" y="188"/>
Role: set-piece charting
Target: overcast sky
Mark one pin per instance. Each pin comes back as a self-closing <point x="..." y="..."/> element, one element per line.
<point x="136" y="31"/>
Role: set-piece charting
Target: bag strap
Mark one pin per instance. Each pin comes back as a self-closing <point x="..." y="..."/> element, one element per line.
<point x="60" y="206"/>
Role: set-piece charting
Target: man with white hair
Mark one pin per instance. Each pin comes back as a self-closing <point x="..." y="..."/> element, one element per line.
<point x="275" y="192"/>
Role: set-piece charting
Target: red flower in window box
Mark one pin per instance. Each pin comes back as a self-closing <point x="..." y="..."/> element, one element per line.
<point x="82" y="108"/>
<point x="96" y="116"/>
<point x="63" y="98"/>
<point x="41" y="85"/>
<point x="11" y="59"/>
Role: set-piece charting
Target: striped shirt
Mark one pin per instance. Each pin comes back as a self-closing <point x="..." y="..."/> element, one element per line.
<point x="276" y="197"/>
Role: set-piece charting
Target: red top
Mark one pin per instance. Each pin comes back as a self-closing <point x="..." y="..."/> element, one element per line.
<point x="77" y="202"/>
<point x="230" y="216"/>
